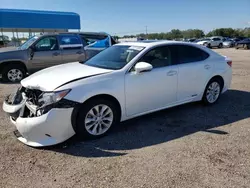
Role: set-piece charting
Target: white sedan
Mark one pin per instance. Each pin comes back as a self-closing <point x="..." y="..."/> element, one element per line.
<point x="122" y="82"/>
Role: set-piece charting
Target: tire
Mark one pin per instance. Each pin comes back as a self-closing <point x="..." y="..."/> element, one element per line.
<point x="13" y="73"/>
<point x="208" y="45"/>
<point x="246" y="47"/>
<point x="86" y="123"/>
<point x="206" y="97"/>
<point x="220" y="45"/>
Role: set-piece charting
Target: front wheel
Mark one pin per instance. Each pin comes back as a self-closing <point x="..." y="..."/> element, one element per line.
<point x="212" y="92"/>
<point x="220" y="45"/>
<point x="13" y="73"/>
<point x="96" y="118"/>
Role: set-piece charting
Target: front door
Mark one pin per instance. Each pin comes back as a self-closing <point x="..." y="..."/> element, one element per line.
<point x="46" y="53"/>
<point x="155" y="89"/>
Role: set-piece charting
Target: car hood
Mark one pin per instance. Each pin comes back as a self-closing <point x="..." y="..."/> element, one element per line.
<point x="8" y="49"/>
<point x="51" y="78"/>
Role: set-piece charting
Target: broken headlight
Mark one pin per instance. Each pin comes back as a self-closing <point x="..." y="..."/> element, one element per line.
<point x="52" y="97"/>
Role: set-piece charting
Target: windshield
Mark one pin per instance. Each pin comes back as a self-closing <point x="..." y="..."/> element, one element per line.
<point x="29" y="42"/>
<point x="115" y="57"/>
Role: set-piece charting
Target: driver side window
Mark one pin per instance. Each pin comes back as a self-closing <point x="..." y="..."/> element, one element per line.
<point x="47" y="44"/>
<point x="157" y="57"/>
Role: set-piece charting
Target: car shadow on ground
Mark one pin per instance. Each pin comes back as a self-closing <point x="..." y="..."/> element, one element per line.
<point x="8" y="83"/>
<point x="163" y="126"/>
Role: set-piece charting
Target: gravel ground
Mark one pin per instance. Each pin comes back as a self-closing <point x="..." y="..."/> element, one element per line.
<point x="186" y="146"/>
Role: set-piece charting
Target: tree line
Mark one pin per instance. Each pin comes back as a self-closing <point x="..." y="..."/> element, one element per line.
<point x="193" y="33"/>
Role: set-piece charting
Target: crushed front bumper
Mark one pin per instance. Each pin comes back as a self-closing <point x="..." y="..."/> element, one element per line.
<point x="50" y="128"/>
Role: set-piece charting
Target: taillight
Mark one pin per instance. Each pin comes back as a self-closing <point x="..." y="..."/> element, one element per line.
<point x="229" y="63"/>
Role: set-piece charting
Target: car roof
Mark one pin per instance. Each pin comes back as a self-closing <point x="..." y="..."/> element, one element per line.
<point x="166" y="42"/>
<point x="76" y="33"/>
<point x="151" y="43"/>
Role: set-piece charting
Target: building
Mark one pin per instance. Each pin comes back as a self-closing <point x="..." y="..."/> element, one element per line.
<point x="36" y="21"/>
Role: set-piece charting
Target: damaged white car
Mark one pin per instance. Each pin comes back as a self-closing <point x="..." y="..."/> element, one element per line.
<point x="121" y="82"/>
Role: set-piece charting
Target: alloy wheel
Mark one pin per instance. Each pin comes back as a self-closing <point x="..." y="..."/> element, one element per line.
<point x="99" y="119"/>
<point x="15" y="75"/>
<point x="213" y="92"/>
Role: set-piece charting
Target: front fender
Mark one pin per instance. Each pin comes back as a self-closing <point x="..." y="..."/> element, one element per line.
<point x="83" y="90"/>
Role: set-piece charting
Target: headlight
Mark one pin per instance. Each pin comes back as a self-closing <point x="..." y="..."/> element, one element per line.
<point x="52" y="97"/>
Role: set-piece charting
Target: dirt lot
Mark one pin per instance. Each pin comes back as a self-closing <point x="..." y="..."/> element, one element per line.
<point x="186" y="146"/>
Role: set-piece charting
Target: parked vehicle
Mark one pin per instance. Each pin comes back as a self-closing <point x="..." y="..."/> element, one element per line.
<point x="190" y="40"/>
<point x="237" y="39"/>
<point x="47" y="50"/>
<point x="211" y="42"/>
<point x="228" y="43"/>
<point x="125" y="81"/>
<point x="243" y="44"/>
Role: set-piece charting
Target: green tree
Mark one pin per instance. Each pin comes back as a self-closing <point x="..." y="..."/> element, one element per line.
<point x="193" y="33"/>
<point x="175" y="34"/>
<point x="4" y="37"/>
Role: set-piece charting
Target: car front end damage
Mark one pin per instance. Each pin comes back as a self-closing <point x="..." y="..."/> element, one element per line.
<point x="41" y="118"/>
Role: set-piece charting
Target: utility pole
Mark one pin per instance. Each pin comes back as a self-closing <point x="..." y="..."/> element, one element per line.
<point x="146" y="32"/>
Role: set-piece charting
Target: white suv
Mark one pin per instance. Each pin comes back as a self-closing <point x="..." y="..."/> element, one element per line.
<point x="211" y="42"/>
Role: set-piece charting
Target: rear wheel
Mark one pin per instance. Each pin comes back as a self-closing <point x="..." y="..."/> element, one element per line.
<point x="246" y="46"/>
<point x="13" y="73"/>
<point x="212" y="92"/>
<point x="220" y="45"/>
<point x="96" y="118"/>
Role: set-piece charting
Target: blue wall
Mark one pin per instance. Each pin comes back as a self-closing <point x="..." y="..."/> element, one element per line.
<point x="11" y="18"/>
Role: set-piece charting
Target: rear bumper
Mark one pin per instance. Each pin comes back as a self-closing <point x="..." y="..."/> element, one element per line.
<point x="227" y="80"/>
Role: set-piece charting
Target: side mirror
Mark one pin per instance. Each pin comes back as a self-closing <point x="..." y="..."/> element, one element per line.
<point x="143" y="67"/>
<point x="31" y="52"/>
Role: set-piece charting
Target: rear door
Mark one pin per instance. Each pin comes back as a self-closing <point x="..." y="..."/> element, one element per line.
<point x="72" y="48"/>
<point x="194" y="70"/>
<point x="46" y="53"/>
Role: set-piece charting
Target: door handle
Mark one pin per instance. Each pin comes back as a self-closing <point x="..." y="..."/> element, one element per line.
<point x="207" y="66"/>
<point x="79" y="52"/>
<point x="171" y="73"/>
<point x="56" y="54"/>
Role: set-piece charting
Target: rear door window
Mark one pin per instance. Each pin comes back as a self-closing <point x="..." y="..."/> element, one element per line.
<point x="70" y="42"/>
<point x="182" y="54"/>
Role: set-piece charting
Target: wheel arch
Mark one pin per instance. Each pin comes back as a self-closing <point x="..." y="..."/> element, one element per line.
<point x="12" y="62"/>
<point x="98" y="96"/>
<point x="219" y="77"/>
